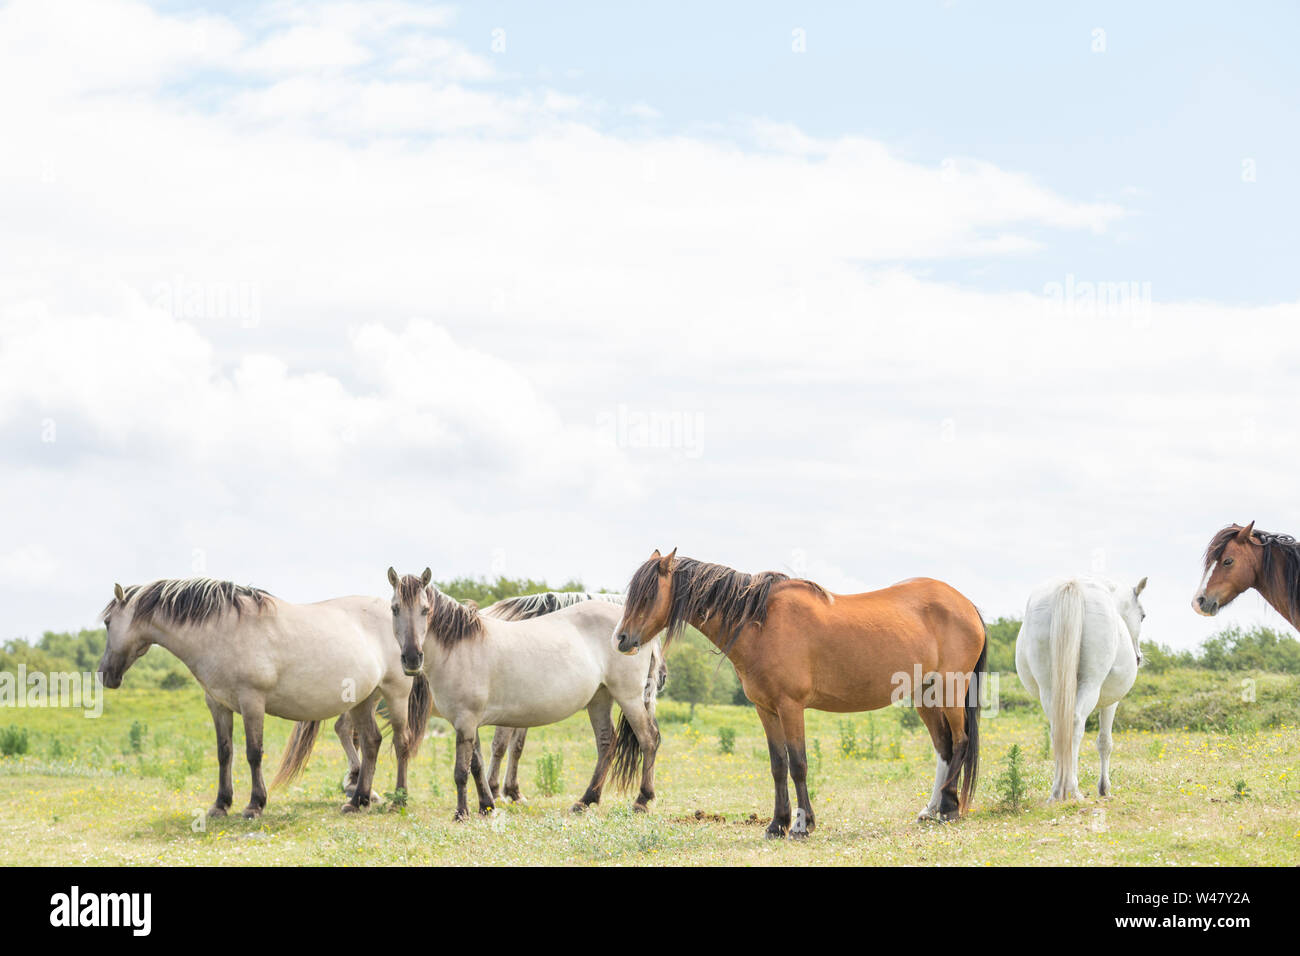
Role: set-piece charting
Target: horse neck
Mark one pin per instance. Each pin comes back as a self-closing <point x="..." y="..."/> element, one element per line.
<point x="180" y="641"/>
<point x="712" y="629"/>
<point x="1274" y="591"/>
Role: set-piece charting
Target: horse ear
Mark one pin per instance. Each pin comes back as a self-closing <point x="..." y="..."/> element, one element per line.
<point x="392" y="577"/>
<point x="119" y="593"/>
<point x="656" y="556"/>
<point x="666" y="563"/>
<point x="1141" y="584"/>
<point x="425" y="578"/>
<point x="1244" y="534"/>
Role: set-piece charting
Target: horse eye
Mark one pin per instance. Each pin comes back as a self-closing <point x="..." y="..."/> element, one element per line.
<point x="395" y="609"/>
<point x="1227" y="561"/>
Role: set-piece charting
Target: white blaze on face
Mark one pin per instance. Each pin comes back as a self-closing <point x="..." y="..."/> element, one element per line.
<point x="1200" y="591"/>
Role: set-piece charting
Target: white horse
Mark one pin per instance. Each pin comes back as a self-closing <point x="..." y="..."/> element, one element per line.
<point x="256" y="655"/>
<point x="528" y="673"/>
<point x="1078" y="650"/>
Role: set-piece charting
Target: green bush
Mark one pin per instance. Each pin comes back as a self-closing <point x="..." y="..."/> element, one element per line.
<point x="550" y="767"/>
<point x="726" y="740"/>
<point x="14" y="741"/>
<point x="1011" y="782"/>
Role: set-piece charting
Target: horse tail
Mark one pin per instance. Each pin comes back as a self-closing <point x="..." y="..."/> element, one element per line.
<point x="627" y="749"/>
<point x="418" y="708"/>
<point x="1066" y="638"/>
<point x="971" y="760"/>
<point x="296" y="754"/>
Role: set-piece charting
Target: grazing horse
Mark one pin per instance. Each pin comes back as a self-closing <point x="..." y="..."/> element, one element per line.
<point x="526" y="673"/>
<point x="254" y="655"/>
<point x="795" y="645"/>
<point x="1241" y="558"/>
<point x="1077" y="651"/>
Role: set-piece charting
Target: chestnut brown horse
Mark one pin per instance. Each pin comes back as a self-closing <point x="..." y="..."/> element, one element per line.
<point x="1238" y="559"/>
<point x="795" y="645"/>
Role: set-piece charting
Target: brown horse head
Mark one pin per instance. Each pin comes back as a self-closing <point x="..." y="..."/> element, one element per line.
<point x="412" y="599"/>
<point x="1233" y="562"/>
<point x="649" y="602"/>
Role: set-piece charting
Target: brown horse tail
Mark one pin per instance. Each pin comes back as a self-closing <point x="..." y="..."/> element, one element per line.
<point x="297" y="753"/>
<point x="971" y="760"/>
<point x="419" y="707"/>
<point x="627" y="749"/>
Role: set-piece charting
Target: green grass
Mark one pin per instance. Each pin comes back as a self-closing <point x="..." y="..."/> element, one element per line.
<point x="84" y="794"/>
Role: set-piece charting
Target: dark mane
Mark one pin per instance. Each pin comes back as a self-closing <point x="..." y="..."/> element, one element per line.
<point x="710" y="592"/>
<point x="449" y="621"/>
<point x="527" y="606"/>
<point x="1279" y="562"/>
<point x="189" y="601"/>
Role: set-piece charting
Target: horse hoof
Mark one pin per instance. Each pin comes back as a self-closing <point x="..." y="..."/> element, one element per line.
<point x="578" y="807"/>
<point x="798" y="834"/>
<point x="349" y="807"/>
<point x="640" y="808"/>
<point x="460" y="816"/>
<point x="486" y="809"/>
<point x="774" y="833"/>
<point x="514" y="796"/>
<point x="216" y="811"/>
<point x="929" y="815"/>
<point x="252" y="813"/>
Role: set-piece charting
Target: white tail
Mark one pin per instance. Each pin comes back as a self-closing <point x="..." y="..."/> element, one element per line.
<point x="1066" y="639"/>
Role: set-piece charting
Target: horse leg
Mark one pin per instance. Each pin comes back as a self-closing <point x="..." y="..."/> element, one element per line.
<point x="397" y="710"/>
<point x="223" y="719"/>
<point x="362" y="718"/>
<point x="343" y="729"/>
<point x="643" y="724"/>
<point x="950" y="801"/>
<point x="253" y="713"/>
<point x="478" y="769"/>
<point x="797" y="754"/>
<point x="599" y="712"/>
<point x="512" y="768"/>
<point x="500" y="744"/>
<point x="941" y="738"/>
<point x="465" y="740"/>
<point x="776" y="750"/>
<point x="1105" y="717"/>
<point x="1084" y="705"/>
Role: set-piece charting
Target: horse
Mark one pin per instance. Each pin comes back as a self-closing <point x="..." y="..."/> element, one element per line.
<point x="1238" y="559"/>
<point x="1077" y="651"/>
<point x="796" y="646"/>
<point x="527" y="673"/>
<point x="507" y="742"/>
<point x="255" y="655"/>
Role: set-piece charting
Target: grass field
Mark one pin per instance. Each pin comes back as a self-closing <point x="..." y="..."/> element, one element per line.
<point x="132" y="786"/>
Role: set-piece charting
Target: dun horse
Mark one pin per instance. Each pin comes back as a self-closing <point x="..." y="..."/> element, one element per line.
<point x="526" y="673"/>
<point x="1077" y="651"/>
<point x="256" y="655"/>
<point x="795" y="645"/>
<point x="1238" y="559"/>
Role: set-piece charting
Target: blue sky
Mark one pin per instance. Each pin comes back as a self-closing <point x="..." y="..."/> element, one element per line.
<point x="1161" y="121"/>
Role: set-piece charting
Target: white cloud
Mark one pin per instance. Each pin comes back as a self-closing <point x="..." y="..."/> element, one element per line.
<point x="443" y="287"/>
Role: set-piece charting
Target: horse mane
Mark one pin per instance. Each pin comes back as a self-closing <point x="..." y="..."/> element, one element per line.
<point x="1280" y="561"/>
<point x="449" y="621"/>
<point x="711" y="592"/>
<point x="527" y="606"/>
<point x="189" y="601"/>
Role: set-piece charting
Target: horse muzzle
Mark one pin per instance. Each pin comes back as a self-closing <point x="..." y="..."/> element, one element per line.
<point x="1205" y="606"/>
<point x="413" y="666"/>
<point x="626" y="645"/>
<point x="111" y="679"/>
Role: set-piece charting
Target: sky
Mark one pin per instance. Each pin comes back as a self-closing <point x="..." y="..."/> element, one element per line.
<point x="983" y="292"/>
